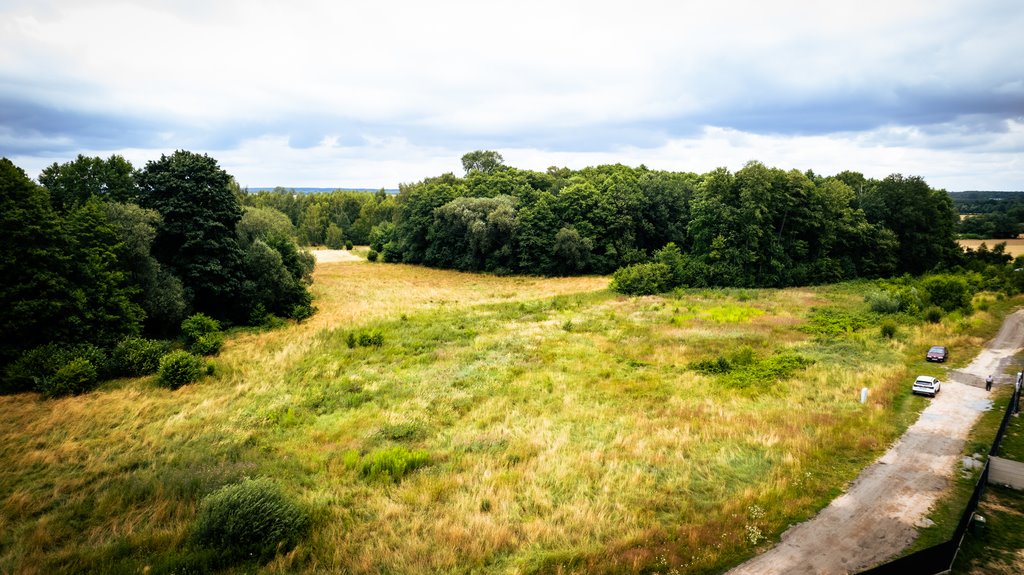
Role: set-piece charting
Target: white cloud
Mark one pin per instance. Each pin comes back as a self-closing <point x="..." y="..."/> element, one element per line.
<point x="406" y="87"/>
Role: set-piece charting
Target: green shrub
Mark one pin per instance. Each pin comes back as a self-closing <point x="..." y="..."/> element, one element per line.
<point x="302" y="311"/>
<point x="888" y="329"/>
<point x="208" y="343"/>
<point x="349" y="245"/>
<point x="372" y="255"/>
<point x="720" y="364"/>
<point x="948" y="292"/>
<point x="76" y="376"/>
<point x="391" y="463"/>
<point x="178" y="368"/>
<point x="371" y="339"/>
<point x="933" y="314"/>
<point x="834" y="322"/>
<point x="135" y="356"/>
<point x="762" y="373"/>
<point x="250" y="520"/>
<point x="642" y="279"/>
<point x="30" y="371"/>
<point x="198" y="325"/>
<point x="883" y="301"/>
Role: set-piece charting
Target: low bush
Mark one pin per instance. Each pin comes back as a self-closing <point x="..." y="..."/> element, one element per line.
<point x="932" y="314"/>
<point x="372" y="338"/>
<point x="834" y="322"/>
<point x="75" y="377"/>
<point x="883" y="302"/>
<point x="302" y="311"/>
<point x="349" y="245"/>
<point x="762" y="373"/>
<point x="250" y="520"/>
<point x="372" y="255"/>
<point x="31" y="371"/>
<point x="642" y="279"/>
<point x="179" y="368"/>
<point x="718" y="365"/>
<point x="208" y="343"/>
<point x="198" y="325"/>
<point x="888" y="329"/>
<point x="136" y="356"/>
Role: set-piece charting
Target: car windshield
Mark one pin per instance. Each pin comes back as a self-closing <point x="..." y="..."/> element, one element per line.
<point x="936" y="349"/>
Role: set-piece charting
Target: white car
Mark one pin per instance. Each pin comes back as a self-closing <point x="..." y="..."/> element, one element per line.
<point x="927" y="385"/>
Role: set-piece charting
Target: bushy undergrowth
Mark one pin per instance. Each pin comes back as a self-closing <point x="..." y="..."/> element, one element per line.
<point x="642" y="279"/>
<point x="389" y="464"/>
<point x="253" y="519"/>
<point x="35" y="369"/>
<point x="835" y="322"/>
<point x="933" y="314"/>
<point x="198" y="325"/>
<point x="743" y="370"/>
<point x="888" y="329"/>
<point x="763" y="372"/>
<point x="179" y="368"/>
<point x="74" y="377"/>
<point x="208" y="343"/>
<point x="136" y="356"/>
<point x="883" y="301"/>
<point x="372" y="338"/>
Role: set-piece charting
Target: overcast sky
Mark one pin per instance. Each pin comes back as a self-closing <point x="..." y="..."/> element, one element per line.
<point x="372" y="93"/>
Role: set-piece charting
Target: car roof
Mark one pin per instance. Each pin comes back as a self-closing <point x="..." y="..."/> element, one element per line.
<point x="927" y="378"/>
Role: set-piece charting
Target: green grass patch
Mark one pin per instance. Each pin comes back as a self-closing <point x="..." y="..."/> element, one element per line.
<point x="996" y="547"/>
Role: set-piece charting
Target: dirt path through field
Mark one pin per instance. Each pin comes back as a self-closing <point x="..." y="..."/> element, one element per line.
<point x="875" y="520"/>
<point x="331" y="256"/>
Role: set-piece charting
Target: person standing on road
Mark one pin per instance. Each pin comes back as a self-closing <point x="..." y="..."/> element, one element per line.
<point x="988" y="383"/>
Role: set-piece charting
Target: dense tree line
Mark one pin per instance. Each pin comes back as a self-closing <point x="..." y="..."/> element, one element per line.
<point x="334" y="219"/>
<point x="984" y="215"/>
<point x="101" y="252"/>
<point x="759" y="226"/>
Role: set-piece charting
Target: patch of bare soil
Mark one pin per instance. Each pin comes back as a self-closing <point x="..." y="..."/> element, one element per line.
<point x="332" y="256"/>
<point x="875" y="520"/>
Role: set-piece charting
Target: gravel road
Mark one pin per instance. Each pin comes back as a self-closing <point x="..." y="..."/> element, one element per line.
<point x="875" y="519"/>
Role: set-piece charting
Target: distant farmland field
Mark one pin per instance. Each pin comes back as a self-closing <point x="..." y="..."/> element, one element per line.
<point x="1014" y="247"/>
<point x="444" y="422"/>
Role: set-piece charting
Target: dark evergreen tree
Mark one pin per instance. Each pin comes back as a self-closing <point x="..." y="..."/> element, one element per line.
<point x="35" y="296"/>
<point x="196" y="235"/>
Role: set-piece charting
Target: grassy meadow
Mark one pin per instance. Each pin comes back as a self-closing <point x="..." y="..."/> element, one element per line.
<point x="532" y="425"/>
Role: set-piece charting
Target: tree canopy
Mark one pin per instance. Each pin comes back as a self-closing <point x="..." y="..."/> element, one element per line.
<point x="759" y="226"/>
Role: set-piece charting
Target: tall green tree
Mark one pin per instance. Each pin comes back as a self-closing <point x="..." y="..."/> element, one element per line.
<point x="485" y="161"/>
<point x="196" y="236"/>
<point x="923" y="219"/>
<point x="103" y="294"/>
<point x="72" y="183"/>
<point x="160" y="293"/>
<point x="34" y="264"/>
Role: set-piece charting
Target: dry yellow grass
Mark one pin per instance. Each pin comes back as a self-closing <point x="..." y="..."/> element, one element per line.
<point x="1014" y="247"/>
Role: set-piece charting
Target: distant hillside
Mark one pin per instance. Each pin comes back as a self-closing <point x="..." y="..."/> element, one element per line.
<point x="983" y="202"/>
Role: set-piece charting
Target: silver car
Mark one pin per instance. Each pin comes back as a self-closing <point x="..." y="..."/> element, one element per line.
<point x="927" y="385"/>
